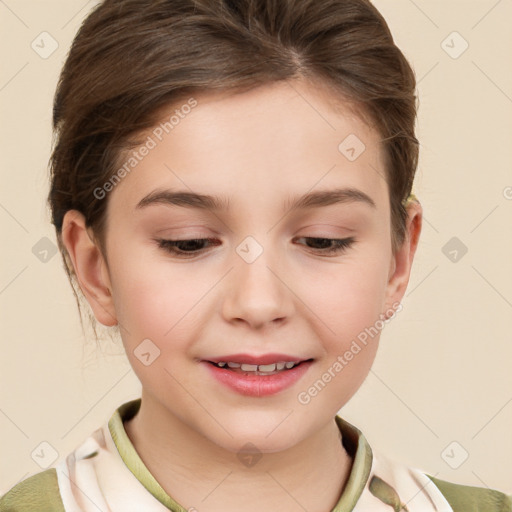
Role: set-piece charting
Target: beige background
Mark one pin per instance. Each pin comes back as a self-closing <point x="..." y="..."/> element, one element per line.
<point x="443" y="372"/>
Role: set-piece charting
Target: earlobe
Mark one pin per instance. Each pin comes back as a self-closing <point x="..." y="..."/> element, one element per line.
<point x="89" y="266"/>
<point x="401" y="264"/>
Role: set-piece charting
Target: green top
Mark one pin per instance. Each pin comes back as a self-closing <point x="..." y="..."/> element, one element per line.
<point x="107" y="462"/>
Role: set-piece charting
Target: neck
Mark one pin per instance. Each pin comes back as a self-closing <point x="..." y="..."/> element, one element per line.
<point x="200" y="475"/>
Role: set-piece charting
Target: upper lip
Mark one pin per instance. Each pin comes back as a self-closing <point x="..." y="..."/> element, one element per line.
<point x="262" y="359"/>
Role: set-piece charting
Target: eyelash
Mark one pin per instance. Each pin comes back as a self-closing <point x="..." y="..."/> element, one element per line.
<point x="340" y="245"/>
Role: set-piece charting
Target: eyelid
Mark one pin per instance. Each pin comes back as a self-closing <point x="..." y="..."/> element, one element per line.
<point x="341" y="245"/>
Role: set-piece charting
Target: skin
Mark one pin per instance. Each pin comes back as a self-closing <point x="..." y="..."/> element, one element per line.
<point x="257" y="148"/>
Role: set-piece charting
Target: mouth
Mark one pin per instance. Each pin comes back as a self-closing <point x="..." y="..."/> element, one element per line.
<point x="258" y="376"/>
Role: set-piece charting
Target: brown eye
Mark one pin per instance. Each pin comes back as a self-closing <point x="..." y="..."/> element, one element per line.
<point x="328" y="245"/>
<point x="190" y="247"/>
<point x="185" y="248"/>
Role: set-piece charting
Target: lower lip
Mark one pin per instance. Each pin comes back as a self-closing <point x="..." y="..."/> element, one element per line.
<point x="258" y="385"/>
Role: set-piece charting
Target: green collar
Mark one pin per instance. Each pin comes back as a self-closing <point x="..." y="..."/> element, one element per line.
<point x="352" y="438"/>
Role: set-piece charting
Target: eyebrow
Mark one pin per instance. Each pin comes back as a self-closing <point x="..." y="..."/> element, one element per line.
<point x="316" y="199"/>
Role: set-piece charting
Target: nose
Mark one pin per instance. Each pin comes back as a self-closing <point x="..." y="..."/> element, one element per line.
<point x="257" y="293"/>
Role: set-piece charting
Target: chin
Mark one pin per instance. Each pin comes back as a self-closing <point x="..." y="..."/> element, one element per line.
<point x="267" y="433"/>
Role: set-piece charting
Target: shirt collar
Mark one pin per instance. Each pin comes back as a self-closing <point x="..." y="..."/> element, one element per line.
<point x="353" y="440"/>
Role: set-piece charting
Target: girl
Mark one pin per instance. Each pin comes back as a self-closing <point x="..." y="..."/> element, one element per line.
<point x="231" y="187"/>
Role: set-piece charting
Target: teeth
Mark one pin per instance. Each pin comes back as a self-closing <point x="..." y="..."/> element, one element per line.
<point x="249" y="367"/>
<point x="266" y="367"/>
<point x="259" y="368"/>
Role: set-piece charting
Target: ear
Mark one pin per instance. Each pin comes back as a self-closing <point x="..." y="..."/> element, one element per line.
<point x="401" y="262"/>
<point x="90" y="267"/>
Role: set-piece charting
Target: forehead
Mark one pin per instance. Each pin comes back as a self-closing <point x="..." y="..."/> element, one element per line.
<point x="275" y="142"/>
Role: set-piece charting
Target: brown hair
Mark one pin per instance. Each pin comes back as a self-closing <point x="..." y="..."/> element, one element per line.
<point x="131" y="58"/>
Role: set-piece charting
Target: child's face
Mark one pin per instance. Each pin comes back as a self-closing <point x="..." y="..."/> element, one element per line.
<point x="259" y="150"/>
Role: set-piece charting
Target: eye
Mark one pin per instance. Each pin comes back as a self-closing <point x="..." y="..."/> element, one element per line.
<point x="185" y="248"/>
<point x="329" y="245"/>
<point x="191" y="247"/>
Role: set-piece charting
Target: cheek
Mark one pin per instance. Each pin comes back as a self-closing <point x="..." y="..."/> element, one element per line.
<point x="348" y="324"/>
<point x="348" y="297"/>
<point x="157" y="304"/>
<point x="347" y="303"/>
<point x="156" y="298"/>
